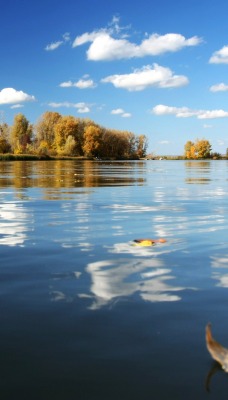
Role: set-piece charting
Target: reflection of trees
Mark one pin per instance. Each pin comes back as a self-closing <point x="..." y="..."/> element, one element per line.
<point x="21" y="174"/>
<point x="198" y="165"/>
<point x="197" y="180"/>
<point x="196" y="168"/>
<point x="69" y="174"/>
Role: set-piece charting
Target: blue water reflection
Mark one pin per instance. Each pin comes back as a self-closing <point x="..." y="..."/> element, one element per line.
<point x="92" y="312"/>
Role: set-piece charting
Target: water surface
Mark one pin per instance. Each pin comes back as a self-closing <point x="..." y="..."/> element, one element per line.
<point x="86" y="314"/>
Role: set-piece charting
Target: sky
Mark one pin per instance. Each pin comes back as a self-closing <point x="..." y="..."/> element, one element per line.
<point x="148" y="67"/>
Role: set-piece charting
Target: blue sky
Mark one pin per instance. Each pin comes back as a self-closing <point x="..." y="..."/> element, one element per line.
<point x="153" y="68"/>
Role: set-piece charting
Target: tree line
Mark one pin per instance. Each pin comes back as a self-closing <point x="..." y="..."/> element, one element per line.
<point x="58" y="135"/>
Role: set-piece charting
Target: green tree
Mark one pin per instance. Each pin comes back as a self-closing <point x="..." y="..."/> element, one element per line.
<point x="21" y="134"/>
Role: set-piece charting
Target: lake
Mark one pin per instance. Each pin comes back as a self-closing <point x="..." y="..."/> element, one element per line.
<point x="88" y="314"/>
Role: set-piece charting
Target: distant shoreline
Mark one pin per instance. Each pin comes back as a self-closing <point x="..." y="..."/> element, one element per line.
<point x="33" y="157"/>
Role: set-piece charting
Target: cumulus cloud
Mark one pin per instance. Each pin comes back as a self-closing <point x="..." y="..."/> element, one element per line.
<point x="80" y="84"/>
<point x="185" y="112"/>
<point x="81" y="107"/>
<point x="106" y="47"/>
<point x="55" y="45"/>
<point x="12" y="96"/>
<point x="220" y="56"/>
<point x="220" y="87"/>
<point x="121" y="112"/>
<point x="145" y="77"/>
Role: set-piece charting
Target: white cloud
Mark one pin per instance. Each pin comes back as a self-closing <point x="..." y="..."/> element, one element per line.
<point x="113" y="28"/>
<point x="86" y="37"/>
<point x="55" y="45"/>
<point x="121" y="112"/>
<point x="80" y="84"/>
<point x="85" y="84"/>
<point x="83" y="110"/>
<point x="17" y="106"/>
<point x="220" y="87"/>
<point x="11" y="96"/>
<point x="164" y="142"/>
<point x="185" y="112"/>
<point x="212" y="114"/>
<point x="182" y="112"/>
<point x="220" y="56"/>
<point x="66" y="37"/>
<point x="117" y="111"/>
<point x="105" y="47"/>
<point x="81" y="107"/>
<point x="145" y="77"/>
<point x="66" y="84"/>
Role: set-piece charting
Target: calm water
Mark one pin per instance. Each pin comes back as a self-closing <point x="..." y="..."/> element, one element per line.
<point x="87" y="315"/>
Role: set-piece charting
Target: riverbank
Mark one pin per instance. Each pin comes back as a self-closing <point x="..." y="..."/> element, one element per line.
<point x="31" y="157"/>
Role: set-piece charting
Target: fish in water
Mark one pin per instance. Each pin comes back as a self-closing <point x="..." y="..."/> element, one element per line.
<point x="216" y="350"/>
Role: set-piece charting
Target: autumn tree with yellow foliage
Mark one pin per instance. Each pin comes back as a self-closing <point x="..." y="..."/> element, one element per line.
<point x="4" y="138"/>
<point x="201" y="149"/>
<point x="65" y="128"/>
<point x="44" y="132"/>
<point x="20" y="134"/>
<point x="92" y="140"/>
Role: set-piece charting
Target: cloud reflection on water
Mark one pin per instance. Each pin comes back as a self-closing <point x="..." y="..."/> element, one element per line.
<point x="144" y="274"/>
<point x="14" y="224"/>
<point x="220" y="263"/>
<point x="113" y="279"/>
